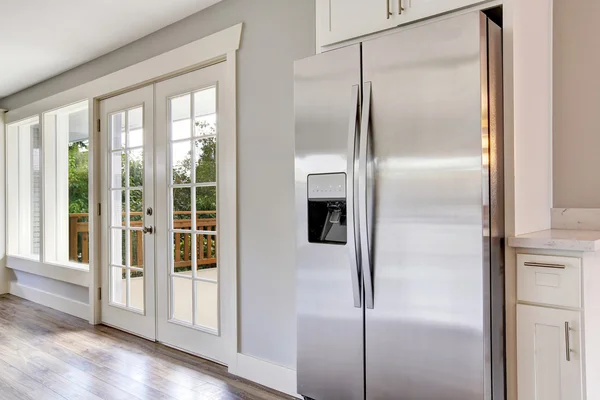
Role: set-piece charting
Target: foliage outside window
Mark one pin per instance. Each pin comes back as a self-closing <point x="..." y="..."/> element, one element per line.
<point x="66" y="199"/>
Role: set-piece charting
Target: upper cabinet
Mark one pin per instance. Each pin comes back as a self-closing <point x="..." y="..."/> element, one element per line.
<point x="339" y="20"/>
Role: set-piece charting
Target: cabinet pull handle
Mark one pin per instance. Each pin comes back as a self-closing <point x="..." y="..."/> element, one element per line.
<point x="388" y="12"/>
<point x="544" y="265"/>
<point x="568" y="341"/>
<point x="400" y="8"/>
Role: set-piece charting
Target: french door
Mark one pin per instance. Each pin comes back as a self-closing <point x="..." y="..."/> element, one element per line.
<point x="128" y="296"/>
<point x="163" y="187"/>
<point x="190" y="156"/>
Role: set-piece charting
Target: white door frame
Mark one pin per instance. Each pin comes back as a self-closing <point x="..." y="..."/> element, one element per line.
<point x="219" y="47"/>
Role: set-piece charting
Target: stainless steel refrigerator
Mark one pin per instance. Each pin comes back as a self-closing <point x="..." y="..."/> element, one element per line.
<point x="399" y="203"/>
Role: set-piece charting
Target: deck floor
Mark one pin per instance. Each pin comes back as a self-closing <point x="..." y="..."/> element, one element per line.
<point x="46" y="354"/>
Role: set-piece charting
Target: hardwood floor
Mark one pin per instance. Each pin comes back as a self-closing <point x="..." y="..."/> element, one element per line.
<point x="46" y="354"/>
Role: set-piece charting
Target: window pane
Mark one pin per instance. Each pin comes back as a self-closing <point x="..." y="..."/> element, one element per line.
<point x="24" y="184"/>
<point x="180" y="117"/>
<point x="206" y="160"/>
<point x="181" y="154"/>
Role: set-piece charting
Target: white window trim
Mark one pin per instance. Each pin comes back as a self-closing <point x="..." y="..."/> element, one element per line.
<point x="220" y="46"/>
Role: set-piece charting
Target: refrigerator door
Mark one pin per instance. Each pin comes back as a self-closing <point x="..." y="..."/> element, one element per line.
<point x="427" y="335"/>
<point x="329" y="304"/>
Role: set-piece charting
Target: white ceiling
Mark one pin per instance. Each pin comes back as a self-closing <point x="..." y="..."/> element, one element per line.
<point x="42" y="38"/>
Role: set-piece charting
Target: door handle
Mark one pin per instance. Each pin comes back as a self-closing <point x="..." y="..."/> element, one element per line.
<point x="363" y="170"/>
<point x="148" y="230"/>
<point x="567" y="341"/>
<point x="400" y="8"/>
<point x="352" y="209"/>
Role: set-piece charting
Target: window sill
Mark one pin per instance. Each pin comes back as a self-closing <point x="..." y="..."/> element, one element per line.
<point x="66" y="273"/>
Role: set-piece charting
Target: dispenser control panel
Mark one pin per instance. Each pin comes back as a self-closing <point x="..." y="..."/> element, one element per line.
<point x="327" y="186"/>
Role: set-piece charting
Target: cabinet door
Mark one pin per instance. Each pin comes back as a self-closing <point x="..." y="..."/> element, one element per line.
<point x="418" y="9"/>
<point x="546" y="370"/>
<point x="339" y="20"/>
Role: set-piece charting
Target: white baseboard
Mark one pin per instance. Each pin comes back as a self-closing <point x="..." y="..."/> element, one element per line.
<point x="266" y="373"/>
<point x="51" y="300"/>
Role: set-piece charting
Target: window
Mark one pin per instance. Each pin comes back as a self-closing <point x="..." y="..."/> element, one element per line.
<point x="66" y="213"/>
<point x="24" y="188"/>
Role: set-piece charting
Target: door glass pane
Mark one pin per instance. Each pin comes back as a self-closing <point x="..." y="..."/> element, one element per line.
<point x="205" y="117"/>
<point x="207" y="302"/>
<point x="136" y="208"/>
<point x="181" y="154"/>
<point x="205" y="151"/>
<point x="117" y="167"/>
<point x="206" y="206"/>
<point x="180" y="108"/>
<point x="135" y="127"/>
<point x="118" y="247"/>
<point x="182" y="208"/>
<point x="206" y="250"/>
<point x="117" y="127"/>
<point x="136" y="287"/>
<point x="136" y="249"/>
<point x="182" y="299"/>
<point x="182" y="253"/>
<point x="136" y="167"/>
<point x="126" y="169"/>
<point x="194" y="208"/>
<point x="118" y="286"/>
<point x="119" y="204"/>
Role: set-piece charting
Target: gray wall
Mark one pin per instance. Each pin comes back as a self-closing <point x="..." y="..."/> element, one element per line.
<point x="276" y="32"/>
<point x="576" y="164"/>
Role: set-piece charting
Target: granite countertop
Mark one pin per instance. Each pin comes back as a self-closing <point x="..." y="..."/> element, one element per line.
<point x="558" y="239"/>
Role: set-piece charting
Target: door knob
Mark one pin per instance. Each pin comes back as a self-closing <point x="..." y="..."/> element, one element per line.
<point x="149" y="230"/>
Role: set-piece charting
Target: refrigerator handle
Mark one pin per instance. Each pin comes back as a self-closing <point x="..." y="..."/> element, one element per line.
<point x="364" y="195"/>
<point x="351" y="184"/>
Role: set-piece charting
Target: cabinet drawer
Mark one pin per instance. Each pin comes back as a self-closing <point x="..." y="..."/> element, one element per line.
<point x="549" y="280"/>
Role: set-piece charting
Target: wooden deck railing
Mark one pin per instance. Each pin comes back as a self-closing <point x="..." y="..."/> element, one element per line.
<point x="206" y="248"/>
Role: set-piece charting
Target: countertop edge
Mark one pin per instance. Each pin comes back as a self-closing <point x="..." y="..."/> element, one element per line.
<point x="552" y="243"/>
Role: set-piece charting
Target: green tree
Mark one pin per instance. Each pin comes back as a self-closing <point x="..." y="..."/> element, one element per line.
<point x="78" y="177"/>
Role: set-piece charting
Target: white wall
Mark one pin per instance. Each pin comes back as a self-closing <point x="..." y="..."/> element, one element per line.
<point x="64" y="289"/>
<point x="576" y="104"/>
<point x="276" y="32"/>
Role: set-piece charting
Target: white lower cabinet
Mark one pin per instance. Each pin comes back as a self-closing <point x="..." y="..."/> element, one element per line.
<point x="549" y="356"/>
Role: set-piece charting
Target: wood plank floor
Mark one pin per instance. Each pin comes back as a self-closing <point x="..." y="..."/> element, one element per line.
<point x="46" y="354"/>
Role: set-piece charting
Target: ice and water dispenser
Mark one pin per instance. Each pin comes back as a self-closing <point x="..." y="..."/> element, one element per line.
<point x="327" y="208"/>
